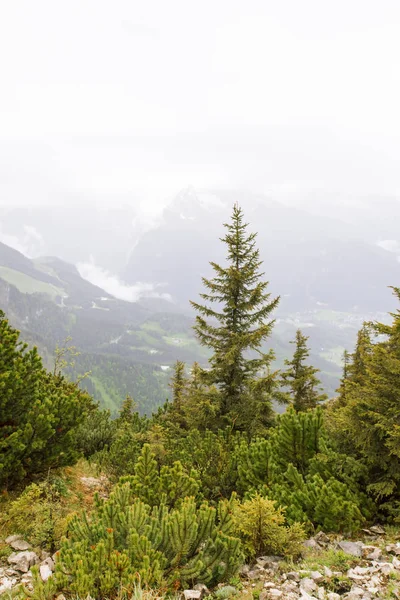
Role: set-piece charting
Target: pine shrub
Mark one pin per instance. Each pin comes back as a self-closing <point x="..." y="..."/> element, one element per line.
<point x="125" y="541"/>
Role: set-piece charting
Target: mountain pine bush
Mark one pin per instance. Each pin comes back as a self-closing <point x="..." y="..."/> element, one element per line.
<point x="39" y="412"/>
<point x="125" y="541"/>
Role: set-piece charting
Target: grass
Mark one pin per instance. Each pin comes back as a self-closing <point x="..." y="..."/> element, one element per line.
<point x="153" y="327"/>
<point x="336" y="560"/>
<point x="28" y="285"/>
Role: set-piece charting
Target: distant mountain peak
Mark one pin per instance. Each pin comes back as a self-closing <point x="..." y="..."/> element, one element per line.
<point x="191" y="204"/>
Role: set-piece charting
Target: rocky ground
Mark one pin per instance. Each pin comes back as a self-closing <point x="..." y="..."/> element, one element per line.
<point x="331" y="568"/>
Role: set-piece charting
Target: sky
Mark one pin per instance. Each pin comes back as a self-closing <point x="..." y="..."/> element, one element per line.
<point x="129" y="101"/>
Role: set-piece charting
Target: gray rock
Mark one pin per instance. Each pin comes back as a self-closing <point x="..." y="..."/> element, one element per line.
<point x="312" y="544"/>
<point x="50" y="563"/>
<point x="22" y="561"/>
<point x="192" y="594"/>
<point x="6" y="584"/>
<point x="254" y="574"/>
<point x="317" y="576"/>
<point x="308" y="585"/>
<point x="13" y="538"/>
<point x="386" y="568"/>
<point x="267" y="561"/>
<point x="321" y="538"/>
<point x="358" y="591"/>
<point x="377" y="530"/>
<point x="275" y="593"/>
<point x="293" y="576"/>
<point x="333" y="596"/>
<point x="46" y="572"/>
<point x="20" y="545"/>
<point x="352" y="548"/>
<point x="393" y="549"/>
<point x="396" y="563"/>
<point x="371" y="553"/>
<point x="327" y="572"/>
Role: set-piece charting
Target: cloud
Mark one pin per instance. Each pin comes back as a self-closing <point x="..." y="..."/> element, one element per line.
<point x="30" y="244"/>
<point x="114" y="286"/>
<point x="390" y="246"/>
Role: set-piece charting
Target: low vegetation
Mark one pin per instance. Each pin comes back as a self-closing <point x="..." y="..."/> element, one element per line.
<point x="215" y="477"/>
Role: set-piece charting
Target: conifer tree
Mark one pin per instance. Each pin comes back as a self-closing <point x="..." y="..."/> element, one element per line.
<point x="176" y="411"/>
<point x="234" y="322"/>
<point x="39" y="412"/>
<point x="370" y="418"/>
<point x="301" y="379"/>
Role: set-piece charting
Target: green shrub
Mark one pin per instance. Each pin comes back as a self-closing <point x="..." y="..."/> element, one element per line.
<point x="261" y="527"/>
<point x="125" y="541"/>
<point x="36" y="514"/>
<point x="40" y="412"/>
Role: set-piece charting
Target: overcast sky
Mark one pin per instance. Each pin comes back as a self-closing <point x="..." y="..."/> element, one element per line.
<point x="111" y="99"/>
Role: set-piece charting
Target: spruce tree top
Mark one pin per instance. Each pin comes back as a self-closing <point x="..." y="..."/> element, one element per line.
<point x="235" y="319"/>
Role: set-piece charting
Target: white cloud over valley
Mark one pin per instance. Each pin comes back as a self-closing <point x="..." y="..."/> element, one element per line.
<point x="114" y="286"/>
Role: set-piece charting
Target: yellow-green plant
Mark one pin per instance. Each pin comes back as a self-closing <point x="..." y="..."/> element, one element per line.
<point x="262" y="529"/>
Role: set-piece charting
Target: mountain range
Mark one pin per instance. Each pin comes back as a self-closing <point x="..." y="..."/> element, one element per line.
<point x="330" y="278"/>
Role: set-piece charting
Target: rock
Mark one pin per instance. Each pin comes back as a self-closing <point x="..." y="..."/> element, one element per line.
<point x="192" y="594"/>
<point x="316" y="576"/>
<point x="321" y="593"/>
<point x="263" y="595"/>
<point x="393" y="549"/>
<point x="308" y="585"/>
<point x="200" y="587"/>
<point x="377" y="530"/>
<point x="352" y="548"/>
<point x="321" y="538"/>
<point x="268" y="562"/>
<point x="20" y="545"/>
<point x="305" y="595"/>
<point x="60" y="597"/>
<point x="363" y="571"/>
<point x="254" y="574"/>
<point x="358" y="591"/>
<point x="244" y="569"/>
<point x="289" y="586"/>
<point x="268" y="585"/>
<point x="312" y="544"/>
<point x="386" y="568"/>
<point x="333" y="596"/>
<point x="293" y="576"/>
<point x="327" y="572"/>
<point x="11" y="572"/>
<point x="371" y="553"/>
<point x="46" y="572"/>
<point x="396" y="563"/>
<point x="6" y="584"/>
<point x="12" y="538"/>
<point x="50" y="563"/>
<point x="275" y="593"/>
<point x="23" y="560"/>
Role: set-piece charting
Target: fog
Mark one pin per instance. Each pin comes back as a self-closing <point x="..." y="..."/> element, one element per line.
<point x="131" y="101"/>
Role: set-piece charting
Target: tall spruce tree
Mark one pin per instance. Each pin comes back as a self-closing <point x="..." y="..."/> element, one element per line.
<point x="234" y="322"/>
<point x="370" y="417"/>
<point x="301" y="379"/>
